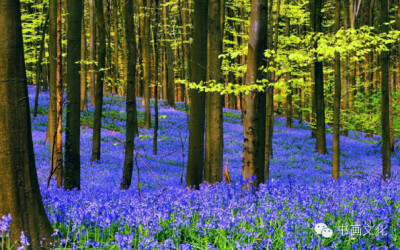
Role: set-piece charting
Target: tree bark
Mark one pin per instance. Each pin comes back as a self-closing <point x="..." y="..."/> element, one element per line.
<point x="99" y="81"/>
<point x="214" y="121"/>
<point x="20" y="194"/>
<point x="371" y="73"/>
<point x="156" y="64"/>
<point x="289" y="95"/>
<point x="169" y="70"/>
<point x="316" y="22"/>
<point x="384" y="63"/>
<point x="194" y="174"/>
<point x="254" y="107"/>
<point x="59" y="156"/>
<point x="130" y="99"/>
<point x="39" y="67"/>
<point x="336" y="104"/>
<point x="52" y="120"/>
<point x="84" y="106"/>
<point x="146" y="56"/>
<point x="92" y="52"/>
<point x="72" y="177"/>
<point x="114" y="86"/>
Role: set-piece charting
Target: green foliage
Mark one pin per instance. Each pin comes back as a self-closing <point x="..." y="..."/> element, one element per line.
<point x="32" y="18"/>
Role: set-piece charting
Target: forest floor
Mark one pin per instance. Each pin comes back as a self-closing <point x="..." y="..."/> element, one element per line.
<point x="158" y="212"/>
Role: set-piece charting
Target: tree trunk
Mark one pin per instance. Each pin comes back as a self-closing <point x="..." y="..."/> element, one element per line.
<point x="289" y="95"/>
<point x="187" y="20"/>
<point x="59" y="157"/>
<point x="384" y="63"/>
<point x="99" y="81"/>
<point x="146" y="56"/>
<point x="391" y="136"/>
<point x="371" y="73"/>
<point x="254" y="107"/>
<point x="84" y="106"/>
<point x="194" y="174"/>
<point x="336" y="104"/>
<point x="156" y="79"/>
<point x="39" y="71"/>
<point x="114" y="86"/>
<point x="130" y="99"/>
<point x="316" y="21"/>
<point x="169" y="70"/>
<point x="214" y="120"/>
<point x="346" y="67"/>
<point x="269" y="103"/>
<point x="52" y="120"/>
<point x="92" y="52"/>
<point x="72" y="133"/>
<point x="164" y="69"/>
<point x="20" y="194"/>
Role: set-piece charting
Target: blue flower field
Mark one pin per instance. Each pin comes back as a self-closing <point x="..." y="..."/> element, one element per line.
<point x="158" y="212"/>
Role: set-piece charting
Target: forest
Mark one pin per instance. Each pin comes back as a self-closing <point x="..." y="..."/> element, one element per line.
<point x="199" y="124"/>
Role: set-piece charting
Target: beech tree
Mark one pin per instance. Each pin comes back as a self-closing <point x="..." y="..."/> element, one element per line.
<point x="96" y="150"/>
<point x="72" y="135"/>
<point x="254" y="106"/>
<point x="168" y="72"/>
<point x="194" y="174"/>
<point x="146" y="51"/>
<point x="92" y="52"/>
<point x="214" y="120"/>
<point x="337" y="96"/>
<point x="316" y="24"/>
<point x="58" y="170"/>
<point x="156" y="61"/>
<point x="20" y="195"/>
<point x="52" y="117"/>
<point x="130" y="91"/>
<point x="385" y="70"/>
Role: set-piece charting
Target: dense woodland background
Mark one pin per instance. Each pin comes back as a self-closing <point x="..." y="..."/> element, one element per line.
<point x="332" y="65"/>
<point x="309" y="47"/>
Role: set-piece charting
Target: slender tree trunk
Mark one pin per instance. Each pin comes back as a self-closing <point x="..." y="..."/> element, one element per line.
<point x="194" y="174"/>
<point x="58" y="170"/>
<point x="336" y="104"/>
<point x="397" y="82"/>
<point x="187" y="20"/>
<point x="164" y="71"/>
<point x="316" y="21"/>
<point x="155" y="137"/>
<point x="20" y="194"/>
<point x="346" y="67"/>
<point x="384" y="63"/>
<point x="269" y="103"/>
<point x="39" y="71"/>
<point x="289" y="96"/>
<point x="130" y="99"/>
<point x="313" y="115"/>
<point x="92" y="31"/>
<point x="100" y="81"/>
<point x="371" y="73"/>
<point x="391" y="136"/>
<point x="52" y="120"/>
<point x="146" y="56"/>
<point x="276" y="36"/>
<point x="169" y="70"/>
<point x="84" y="106"/>
<point x="72" y="177"/>
<point x="45" y="74"/>
<point x="254" y="108"/>
<point x="214" y="120"/>
<point x="115" y="64"/>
